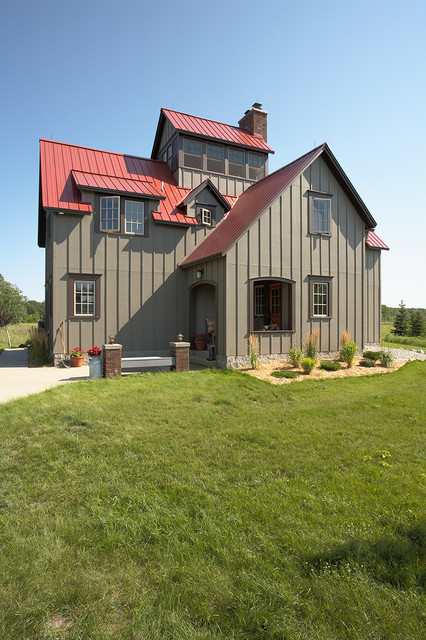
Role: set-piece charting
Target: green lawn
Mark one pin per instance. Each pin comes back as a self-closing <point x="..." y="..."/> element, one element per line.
<point x="212" y="505"/>
<point x="400" y="342"/>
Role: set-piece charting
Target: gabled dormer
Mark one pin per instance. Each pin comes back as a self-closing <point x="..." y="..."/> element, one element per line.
<point x="197" y="149"/>
<point x="206" y="204"/>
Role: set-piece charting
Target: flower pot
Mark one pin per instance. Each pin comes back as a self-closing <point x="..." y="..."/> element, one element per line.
<point x="200" y="345"/>
<point x="77" y="361"/>
<point x="95" y="367"/>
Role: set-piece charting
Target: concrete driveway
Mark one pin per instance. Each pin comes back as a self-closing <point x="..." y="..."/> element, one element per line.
<point x="17" y="379"/>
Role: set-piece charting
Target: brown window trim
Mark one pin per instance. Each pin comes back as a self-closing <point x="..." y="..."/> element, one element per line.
<point x="72" y="278"/>
<point x="317" y="195"/>
<point x="292" y="303"/>
<point x="122" y="209"/>
<point x="321" y="279"/>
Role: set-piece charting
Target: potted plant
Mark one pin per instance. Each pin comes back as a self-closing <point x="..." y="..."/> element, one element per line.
<point x="200" y="341"/>
<point x="95" y="362"/>
<point x="77" y="357"/>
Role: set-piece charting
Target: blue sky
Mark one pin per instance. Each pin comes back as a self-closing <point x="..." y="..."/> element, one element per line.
<point x="96" y="73"/>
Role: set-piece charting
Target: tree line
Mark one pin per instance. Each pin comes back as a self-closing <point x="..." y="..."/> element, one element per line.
<point x="406" y="322"/>
<point x="15" y="307"/>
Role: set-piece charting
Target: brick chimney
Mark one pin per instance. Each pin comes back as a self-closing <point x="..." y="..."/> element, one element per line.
<point x="255" y="121"/>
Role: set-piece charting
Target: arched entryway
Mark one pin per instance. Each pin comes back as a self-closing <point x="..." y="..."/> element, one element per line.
<point x="202" y="306"/>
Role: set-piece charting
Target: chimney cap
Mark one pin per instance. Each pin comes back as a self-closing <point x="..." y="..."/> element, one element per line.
<point x="256" y="105"/>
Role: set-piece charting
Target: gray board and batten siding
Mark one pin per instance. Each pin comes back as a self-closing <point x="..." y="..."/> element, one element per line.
<point x="278" y="245"/>
<point x="144" y="296"/>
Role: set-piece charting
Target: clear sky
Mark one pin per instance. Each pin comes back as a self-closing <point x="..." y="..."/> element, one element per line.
<point x="96" y="73"/>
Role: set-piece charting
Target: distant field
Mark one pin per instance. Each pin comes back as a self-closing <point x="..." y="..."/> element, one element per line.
<point x="19" y="334"/>
<point x="400" y="342"/>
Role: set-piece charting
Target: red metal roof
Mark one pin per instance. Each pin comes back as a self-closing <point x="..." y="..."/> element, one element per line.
<point x="249" y="204"/>
<point x="374" y="242"/>
<point x="65" y="168"/>
<point x="217" y="130"/>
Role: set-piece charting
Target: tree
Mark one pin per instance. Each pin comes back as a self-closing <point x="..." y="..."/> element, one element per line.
<point x="401" y="326"/>
<point x="417" y="323"/>
<point x="12" y="303"/>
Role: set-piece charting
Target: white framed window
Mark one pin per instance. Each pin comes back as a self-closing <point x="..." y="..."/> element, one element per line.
<point x="110" y="213"/>
<point x="320" y="215"/>
<point x="206" y="217"/>
<point x="84" y="298"/>
<point x="320" y="299"/>
<point x="134" y="217"/>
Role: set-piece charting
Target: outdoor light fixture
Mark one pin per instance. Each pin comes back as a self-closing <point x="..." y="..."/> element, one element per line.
<point x="200" y="273"/>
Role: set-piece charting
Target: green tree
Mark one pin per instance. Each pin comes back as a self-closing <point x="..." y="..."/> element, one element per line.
<point x="34" y="310"/>
<point x="417" y="323"/>
<point x="401" y="326"/>
<point x="12" y="303"/>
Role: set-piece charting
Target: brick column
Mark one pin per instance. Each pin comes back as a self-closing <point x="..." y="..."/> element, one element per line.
<point x="180" y="351"/>
<point x="111" y="360"/>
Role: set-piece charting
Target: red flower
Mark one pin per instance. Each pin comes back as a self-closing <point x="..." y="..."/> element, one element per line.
<point x="94" y="351"/>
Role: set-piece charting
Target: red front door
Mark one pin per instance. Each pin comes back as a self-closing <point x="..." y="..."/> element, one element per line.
<point x="275" y="304"/>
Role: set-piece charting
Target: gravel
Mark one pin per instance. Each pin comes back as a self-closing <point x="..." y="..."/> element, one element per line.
<point x="405" y="355"/>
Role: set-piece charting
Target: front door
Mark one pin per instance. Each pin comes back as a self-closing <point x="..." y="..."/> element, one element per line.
<point x="275" y="304"/>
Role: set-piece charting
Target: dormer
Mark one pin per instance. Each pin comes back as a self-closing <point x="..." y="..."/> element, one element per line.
<point x="196" y="149"/>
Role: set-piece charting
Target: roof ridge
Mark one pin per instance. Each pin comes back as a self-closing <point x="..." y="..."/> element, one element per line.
<point x="223" y="124"/>
<point x="112" y="153"/>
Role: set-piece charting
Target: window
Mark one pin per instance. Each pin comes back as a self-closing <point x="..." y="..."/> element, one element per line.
<point x="134" y="216"/>
<point x="118" y="215"/>
<point x="110" y="214"/>
<point x="320" y="297"/>
<point x="192" y="153"/>
<point x="84" y="298"/>
<point x="214" y="150"/>
<point x="206" y="216"/>
<point x="215" y="158"/>
<point x="83" y="295"/>
<point x="271" y="302"/>
<point x="236" y="159"/>
<point x="319" y="213"/>
<point x="256" y="166"/>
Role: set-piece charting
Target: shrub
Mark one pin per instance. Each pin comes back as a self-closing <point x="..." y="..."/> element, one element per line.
<point x="367" y="363"/>
<point x="295" y="356"/>
<point x="284" y="374"/>
<point x="346" y="337"/>
<point x="386" y="358"/>
<point x="308" y="364"/>
<point x="253" y="350"/>
<point x="372" y="355"/>
<point x="311" y="342"/>
<point x="330" y="366"/>
<point x="38" y="350"/>
<point x="347" y="353"/>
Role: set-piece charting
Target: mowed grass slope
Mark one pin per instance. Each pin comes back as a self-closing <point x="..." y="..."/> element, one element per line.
<point x="212" y="505"/>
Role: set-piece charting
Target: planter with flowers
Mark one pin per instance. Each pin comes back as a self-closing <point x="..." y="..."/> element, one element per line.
<point x="95" y="362"/>
<point x="77" y="357"/>
<point x="200" y="341"/>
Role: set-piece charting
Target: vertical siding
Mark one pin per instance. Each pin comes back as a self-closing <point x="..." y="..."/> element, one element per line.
<point x="279" y="244"/>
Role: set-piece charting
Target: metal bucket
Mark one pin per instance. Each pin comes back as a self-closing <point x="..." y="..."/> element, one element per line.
<point x="95" y="367"/>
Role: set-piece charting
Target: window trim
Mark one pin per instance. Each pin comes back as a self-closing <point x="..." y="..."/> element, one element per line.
<point x="83" y="277"/>
<point x="318" y="195"/>
<point x="321" y="280"/>
<point x="123" y="198"/>
<point x="100" y="213"/>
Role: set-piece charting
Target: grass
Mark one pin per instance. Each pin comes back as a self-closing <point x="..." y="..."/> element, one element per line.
<point x="19" y="334"/>
<point x="211" y="505"/>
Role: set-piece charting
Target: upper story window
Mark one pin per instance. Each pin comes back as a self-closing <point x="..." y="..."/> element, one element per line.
<point x="215" y="158"/>
<point x="134" y="217"/>
<point x="192" y="153"/>
<point x="255" y="159"/>
<point x="320" y="213"/>
<point x="256" y="166"/>
<point x="236" y="164"/>
<point x="122" y="216"/>
<point x="206" y="217"/>
<point x="110" y="214"/>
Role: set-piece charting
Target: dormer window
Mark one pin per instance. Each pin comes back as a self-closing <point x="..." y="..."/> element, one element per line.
<point x="206" y="217"/>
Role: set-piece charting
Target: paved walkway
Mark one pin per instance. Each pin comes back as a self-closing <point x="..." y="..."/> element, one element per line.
<point x="18" y="380"/>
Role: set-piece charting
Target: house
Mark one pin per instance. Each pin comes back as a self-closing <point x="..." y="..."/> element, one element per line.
<point x="145" y="249"/>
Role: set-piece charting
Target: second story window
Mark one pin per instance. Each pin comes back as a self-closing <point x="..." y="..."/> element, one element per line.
<point x="256" y="166"/>
<point x="110" y="214"/>
<point x="319" y="212"/>
<point x="236" y="164"/>
<point x="206" y="217"/>
<point x="134" y="214"/>
<point x="192" y="152"/>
